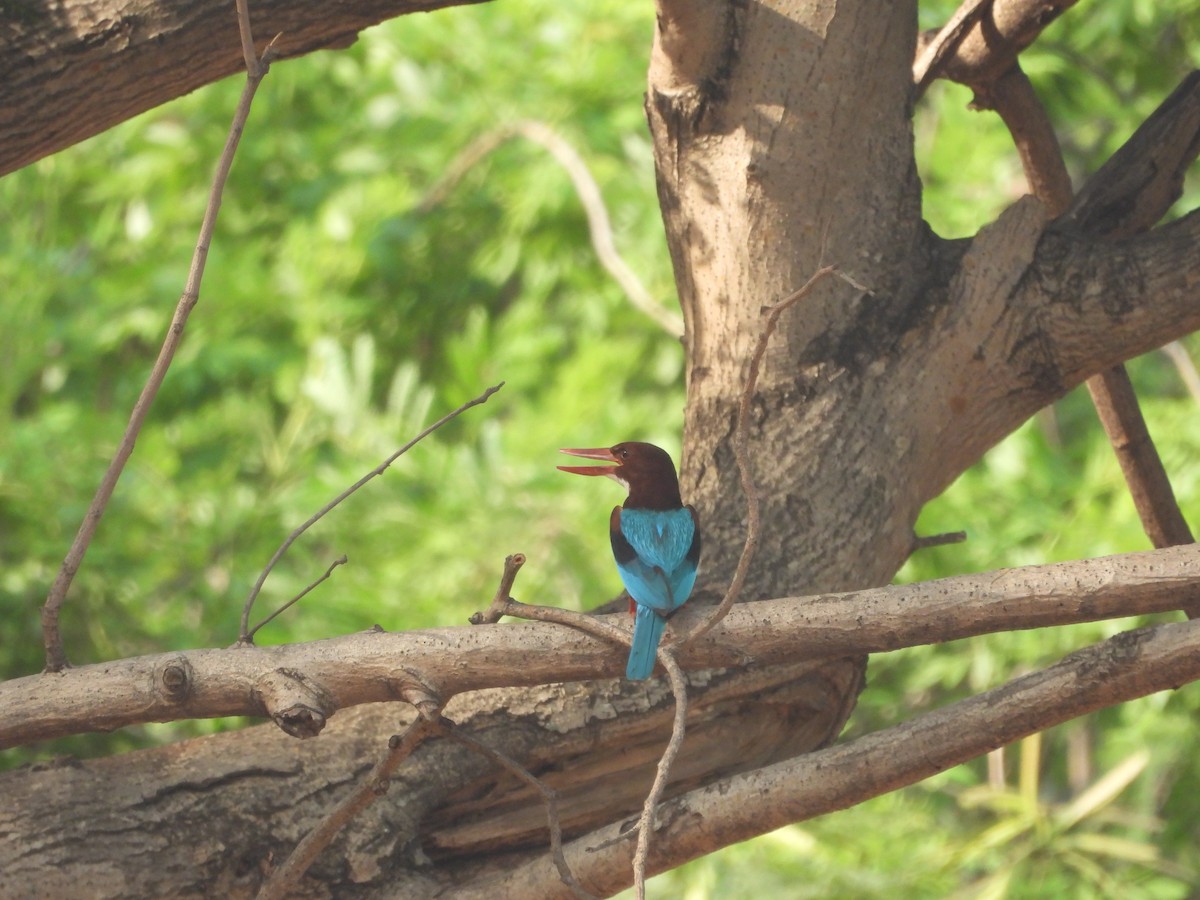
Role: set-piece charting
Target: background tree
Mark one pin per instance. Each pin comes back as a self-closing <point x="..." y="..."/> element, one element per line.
<point x="786" y="148"/>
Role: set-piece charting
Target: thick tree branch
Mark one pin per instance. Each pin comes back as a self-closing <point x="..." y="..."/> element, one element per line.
<point x="73" y="70"/>
<point x="1014" y="99"/>
<point x="1138" y="184"/>
<point x="990" y="46"/>
<point x="1101" y="303"/>
<point x="1130" y="665"/>
<point x="1037" y="307"/>
<point x="376" y="666"/>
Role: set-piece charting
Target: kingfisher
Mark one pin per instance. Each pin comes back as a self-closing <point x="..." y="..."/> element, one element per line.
<point x="655" y="539"/>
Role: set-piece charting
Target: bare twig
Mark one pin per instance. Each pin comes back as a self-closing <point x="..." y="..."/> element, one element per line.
<point x="340" y="561"/>
<point x="503" y="605"/>
<point x="599" y="225"/>
<point x="1186" y="368"/>
<point x="285" y="878"/>
<point x="56" y="658"/>
<point x="244" y="636"/>
<point x="646" y="823"/>
<point x="741" y="441"/>
<point x="449" y="730"/>
<point x="254" y="67"/>
<point x="924" y="542"/>
<point x="1117" y="407"/>
<point x="491" y="615"/>
<point x="579" y="621"/>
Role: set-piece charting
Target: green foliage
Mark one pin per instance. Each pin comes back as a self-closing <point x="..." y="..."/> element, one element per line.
<point x="342" y="311"/>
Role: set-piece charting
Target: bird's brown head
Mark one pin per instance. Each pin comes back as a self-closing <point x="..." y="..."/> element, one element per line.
<point x="645" y="469"/>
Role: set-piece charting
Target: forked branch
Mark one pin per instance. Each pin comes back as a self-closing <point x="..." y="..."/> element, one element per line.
<point x="245" y="634"/>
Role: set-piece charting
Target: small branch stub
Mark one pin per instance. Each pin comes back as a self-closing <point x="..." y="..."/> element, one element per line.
<point x="495" y="611"/>
<point x="295" y="703"/>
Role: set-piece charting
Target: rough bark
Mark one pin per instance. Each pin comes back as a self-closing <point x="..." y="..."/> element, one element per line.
<point x="782" y="140"/>
<point x="69" y="70"/>
<point x="301" y="686"/>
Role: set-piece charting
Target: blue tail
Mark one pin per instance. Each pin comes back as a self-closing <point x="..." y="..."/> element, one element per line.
<point x="647" y="632"/>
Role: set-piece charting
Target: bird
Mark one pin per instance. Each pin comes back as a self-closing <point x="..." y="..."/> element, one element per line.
<point x="655" y="540"/>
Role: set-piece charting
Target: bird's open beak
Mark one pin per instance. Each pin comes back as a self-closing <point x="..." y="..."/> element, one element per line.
<point x="599" y="453"/>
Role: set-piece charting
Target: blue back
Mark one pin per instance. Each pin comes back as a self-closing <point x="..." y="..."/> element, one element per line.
<point x="660" y="575"/>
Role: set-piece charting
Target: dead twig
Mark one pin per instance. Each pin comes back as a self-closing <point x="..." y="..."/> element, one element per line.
<point x="340" y="561"/>
<point x="285" y="878"/>
<point x="586" y="189"/>
<point x="741" y="440"/>
<point x="244" y="635"/>
<point x="646" y="823"/>
<point x="504" y="605"/>
<point x="924" y="542"/>
<point x="491" y="615"/>
<point x="256" y="69"/>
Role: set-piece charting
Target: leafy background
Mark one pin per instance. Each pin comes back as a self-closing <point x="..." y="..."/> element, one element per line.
<point x="347" y="303"/>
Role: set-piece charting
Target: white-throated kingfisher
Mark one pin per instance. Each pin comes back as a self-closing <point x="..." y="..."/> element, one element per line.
<point x="655" y="539"/>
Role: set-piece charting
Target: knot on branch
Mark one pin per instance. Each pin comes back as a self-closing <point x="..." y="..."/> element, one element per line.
<point x="295" y="703"/>
<point x="175" y="679"/>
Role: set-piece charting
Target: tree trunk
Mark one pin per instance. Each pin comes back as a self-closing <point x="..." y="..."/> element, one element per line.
<point x="783" y="141"/>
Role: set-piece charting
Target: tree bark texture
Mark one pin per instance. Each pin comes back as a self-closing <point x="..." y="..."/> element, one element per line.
<point x="70" y="70"/>
<point x="782" y="139"/>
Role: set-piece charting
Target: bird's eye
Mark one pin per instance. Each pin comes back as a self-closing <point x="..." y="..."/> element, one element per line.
<point x="623" y="453"/>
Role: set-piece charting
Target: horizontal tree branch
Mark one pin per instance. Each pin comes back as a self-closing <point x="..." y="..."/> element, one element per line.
<point x="1130" y="665"/>
<point x="301" y="685"/>
<point x="1099" y="303"/>
<point x="73" y="70"/>
<point x="1138" y="183"/>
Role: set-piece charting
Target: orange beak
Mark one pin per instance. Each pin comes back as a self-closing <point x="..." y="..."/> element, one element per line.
<point x="598" y="453"/>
